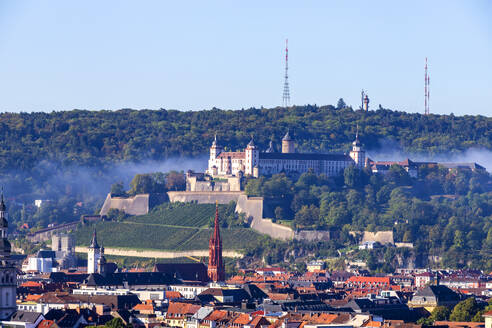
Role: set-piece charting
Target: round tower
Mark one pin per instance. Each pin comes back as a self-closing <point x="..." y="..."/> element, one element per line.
<point x="366" y="103"/>
<point x="288" y="144"/>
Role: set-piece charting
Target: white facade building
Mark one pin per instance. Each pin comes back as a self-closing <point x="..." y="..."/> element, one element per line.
<point x="42" y="262"/>
<point x="253" y="162"/>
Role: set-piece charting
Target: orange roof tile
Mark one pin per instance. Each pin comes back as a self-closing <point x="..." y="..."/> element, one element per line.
<point x="46" y="324"/>
<point x="144" y="307"/>
<point x="31" y="283"/>
<point x="216" y="315"/>
<point x="372" y="323"/>
<point x="242" y="319"/>
<point x="369" y="280"/>
<point x="33" y="297"/>
<point x="173" y="294"/>
<point x="177" y="308"/>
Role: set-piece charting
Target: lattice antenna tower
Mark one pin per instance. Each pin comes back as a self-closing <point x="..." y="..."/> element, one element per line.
<point x="286" y="93"/>
<point x="426" y="89"/>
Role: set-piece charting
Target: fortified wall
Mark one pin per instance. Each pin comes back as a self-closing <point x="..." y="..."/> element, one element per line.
<point x="200" y="182"/>
<point x="135" y="205"/>
<point x="203" y="197"/>
<point x="253" y="207"/>
<point x="47" y="233"/>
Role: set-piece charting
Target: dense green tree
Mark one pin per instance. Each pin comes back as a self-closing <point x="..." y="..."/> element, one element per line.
<point x="117" y="189"/>
<point x="148" y="183"/>
<point x="341" y="104"/>
<point x="465" y="310"/>
<point x="175" y="181"/>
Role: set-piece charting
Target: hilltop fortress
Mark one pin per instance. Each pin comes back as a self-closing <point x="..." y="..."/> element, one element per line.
<point x="226" y="169"/>
<point x="254" y="162"/>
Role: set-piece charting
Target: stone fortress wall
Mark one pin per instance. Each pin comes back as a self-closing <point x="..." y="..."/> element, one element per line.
<point x="135" y="205"/>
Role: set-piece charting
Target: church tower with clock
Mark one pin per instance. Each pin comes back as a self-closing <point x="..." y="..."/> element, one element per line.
<point x="8" y="272"/>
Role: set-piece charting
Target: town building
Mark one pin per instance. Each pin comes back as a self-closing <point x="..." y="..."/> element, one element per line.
<point x="64" y="247"/>
<point x="42" y="262"/>
<point x="252" y="161"/>
<point x="314" y="266"/>
<point x="433" y="296"/>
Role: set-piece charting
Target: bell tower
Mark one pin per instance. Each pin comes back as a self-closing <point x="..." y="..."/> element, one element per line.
<point x="93" y="255"/>
<point x="8" y="273"/>
<point x="357" y="153"/>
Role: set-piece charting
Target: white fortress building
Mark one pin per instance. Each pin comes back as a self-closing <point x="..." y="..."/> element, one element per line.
<point x="254" y="162"/>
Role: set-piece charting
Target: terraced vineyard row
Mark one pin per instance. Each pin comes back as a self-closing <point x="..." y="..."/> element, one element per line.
<point x="145" y="236"/>
<point x="179" y="214"/>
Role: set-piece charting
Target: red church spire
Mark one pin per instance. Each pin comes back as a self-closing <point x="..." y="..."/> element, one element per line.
<point x="216" y="270"/>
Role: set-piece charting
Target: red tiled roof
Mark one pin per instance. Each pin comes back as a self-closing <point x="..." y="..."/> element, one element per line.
<point x="176" y="308"/>
<point x="171" y="294"/>
<point x="216" y="315"/>
<point x="369" y="280"/>
<point x="46" y="324"/>
<point x="242" y="319"/>
<point x="372" y="323"/>
<point x="144" y="307"/>
<point x="33" y="297"/>
<point x="31" y="284"/>
<point x="271" y="269"/>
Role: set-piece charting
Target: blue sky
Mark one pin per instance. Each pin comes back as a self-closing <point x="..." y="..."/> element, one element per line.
<point x="190" y="55"/>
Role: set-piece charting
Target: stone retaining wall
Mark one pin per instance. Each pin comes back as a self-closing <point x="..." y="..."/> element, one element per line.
<point x="159" y="254"/>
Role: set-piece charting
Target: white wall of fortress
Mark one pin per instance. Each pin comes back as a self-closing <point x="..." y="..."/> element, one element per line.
<point x="136" y="205"/>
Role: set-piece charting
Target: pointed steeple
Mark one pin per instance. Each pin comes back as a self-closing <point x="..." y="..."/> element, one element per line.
<point x="251" y="143"/>
<point x="2" y="204"/>
<point x="216" y="222"/>
<point x="3" y="214"/>
<point x="271" y="148"/>
<point x="287" y="137"/>
<point x="215" y="144"/>
<point x="94" y="243"/>
<point x="216" y="271"/>
<point x="356" y="141"/>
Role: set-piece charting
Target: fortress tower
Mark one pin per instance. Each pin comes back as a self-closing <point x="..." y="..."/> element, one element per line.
<point x="93" y="255"/>
<point x="8" y="273"/>
<point x="252" y="157"/>
<point x="288" y="144"/>
<point x="216" y="271"/>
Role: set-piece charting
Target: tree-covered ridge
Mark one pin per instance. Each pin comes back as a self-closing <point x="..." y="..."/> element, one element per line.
<point x="95" y="137"/>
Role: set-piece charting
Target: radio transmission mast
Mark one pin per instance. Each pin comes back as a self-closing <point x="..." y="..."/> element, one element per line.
<point x="426" y="89"/>
<point x="286" y="93"/>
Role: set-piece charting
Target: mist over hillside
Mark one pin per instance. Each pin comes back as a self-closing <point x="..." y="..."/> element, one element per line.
<point x="79" y="154"/>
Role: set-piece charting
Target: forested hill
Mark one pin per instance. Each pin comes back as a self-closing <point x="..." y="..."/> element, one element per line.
<point x="94" y="137"/>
